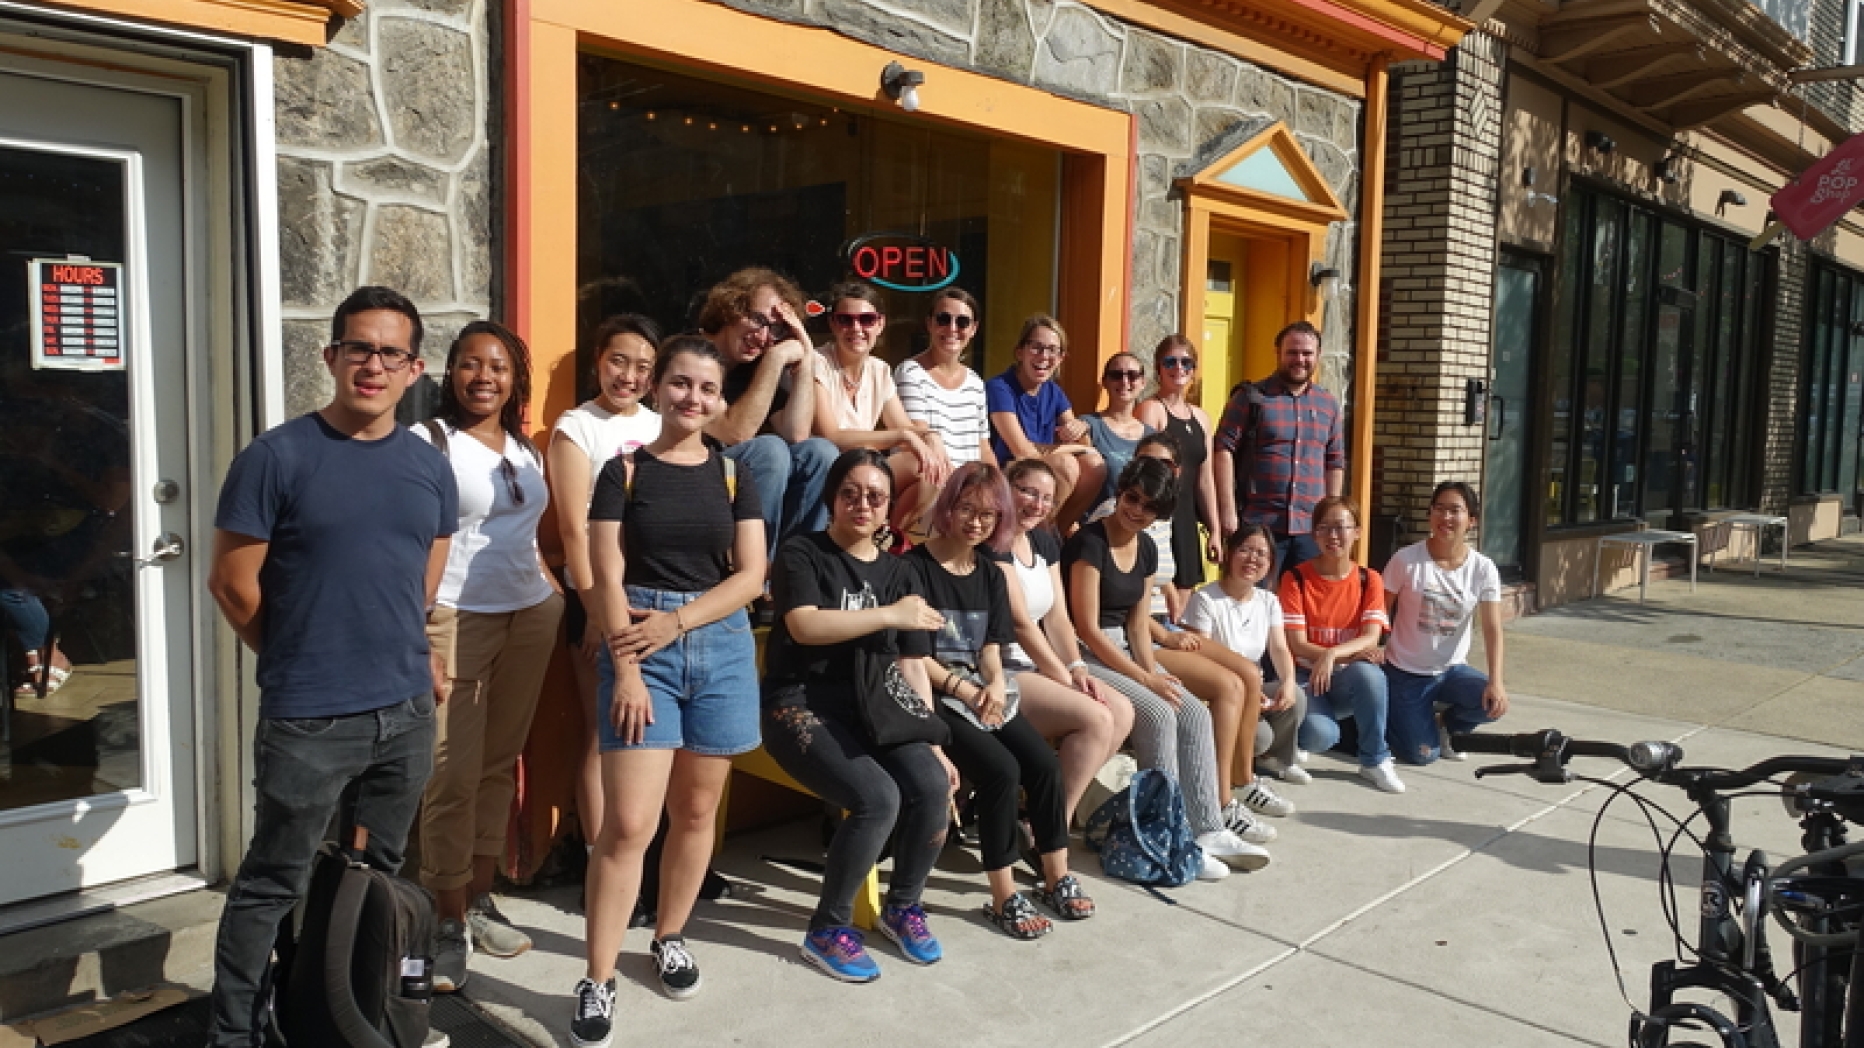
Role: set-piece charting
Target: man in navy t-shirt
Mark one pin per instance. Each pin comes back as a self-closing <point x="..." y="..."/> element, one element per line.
<point x="331" y="537"/>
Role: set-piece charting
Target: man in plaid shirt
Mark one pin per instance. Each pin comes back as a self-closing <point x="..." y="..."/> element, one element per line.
<point x="1279" y="448"/>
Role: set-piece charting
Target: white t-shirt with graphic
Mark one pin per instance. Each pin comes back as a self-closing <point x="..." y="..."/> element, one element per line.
<point x="1430" y="623"/>
<point x="1239" y="625"/>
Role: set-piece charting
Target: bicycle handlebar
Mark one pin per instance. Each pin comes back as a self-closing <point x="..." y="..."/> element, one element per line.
<point x="1657" y="760"/>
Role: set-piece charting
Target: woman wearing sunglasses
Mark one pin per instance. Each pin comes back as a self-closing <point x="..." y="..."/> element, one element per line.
<point x="1114" y="431"/>
<point x="940" y="394"/>
<point x="1030" y="417"/>
<point x="839" y="596"/>
<point x="1170" y="410"/>
<point x="494" y="623"/>
<point x="858" y="406"/>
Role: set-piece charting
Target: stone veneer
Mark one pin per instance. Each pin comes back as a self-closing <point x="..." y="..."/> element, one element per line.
<point x="1190" y="102"/>
<point x="1443" y="158"/>
<point x="384" y="176"/>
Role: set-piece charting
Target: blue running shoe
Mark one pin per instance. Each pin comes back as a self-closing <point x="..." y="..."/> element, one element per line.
<point x="906" y="926"/>
<point x="838" y="952"/>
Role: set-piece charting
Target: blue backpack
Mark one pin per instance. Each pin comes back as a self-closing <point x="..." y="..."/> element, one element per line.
<point x="1142" y="833"/>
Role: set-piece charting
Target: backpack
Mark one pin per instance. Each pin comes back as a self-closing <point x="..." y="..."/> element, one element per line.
<point x="360" y="972"/>
<point x="1142" y="833"/>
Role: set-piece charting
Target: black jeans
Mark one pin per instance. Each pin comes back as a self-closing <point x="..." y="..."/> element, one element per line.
<point x="374" y="765"/>
<point x="997" y="763"/>
<point x="878" y="788"/>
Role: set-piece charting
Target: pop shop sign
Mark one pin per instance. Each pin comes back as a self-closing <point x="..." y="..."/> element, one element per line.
<point x="902" y="261"/>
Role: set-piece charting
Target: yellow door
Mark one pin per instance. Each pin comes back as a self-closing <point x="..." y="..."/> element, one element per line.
<point x="1216" y="350"/>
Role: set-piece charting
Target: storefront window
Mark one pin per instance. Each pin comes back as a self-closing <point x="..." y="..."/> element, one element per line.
<point x="683" y="180"/>
<point x="1834" y="405"/>
<point x="1660" y="362"/>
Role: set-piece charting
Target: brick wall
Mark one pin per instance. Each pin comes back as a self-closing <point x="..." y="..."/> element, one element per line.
<point x="1437" y="286"/>
<point x="1781" y="428"/>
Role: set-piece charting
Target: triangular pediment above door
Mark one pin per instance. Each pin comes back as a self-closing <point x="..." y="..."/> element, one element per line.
<point x="1266" y="167"/>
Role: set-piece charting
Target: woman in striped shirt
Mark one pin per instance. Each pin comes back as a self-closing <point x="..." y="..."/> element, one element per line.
<point x="941" y="395"/>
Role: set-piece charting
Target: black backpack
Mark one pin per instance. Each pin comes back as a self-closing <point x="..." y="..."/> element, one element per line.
<point x="360" y="972"/>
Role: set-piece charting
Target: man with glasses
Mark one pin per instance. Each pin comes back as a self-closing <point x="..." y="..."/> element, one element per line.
<point x="754" y="318"/>
<point x="329" y="544"/>
<point x="1279" y="450"/>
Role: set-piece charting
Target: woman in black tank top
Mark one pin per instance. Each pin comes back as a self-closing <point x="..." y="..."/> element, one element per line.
<point x="1170" y="410"/>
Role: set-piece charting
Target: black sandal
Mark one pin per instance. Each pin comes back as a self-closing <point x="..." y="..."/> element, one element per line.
<point x="1067" y="899"/>
<point x="1018" y="919"/>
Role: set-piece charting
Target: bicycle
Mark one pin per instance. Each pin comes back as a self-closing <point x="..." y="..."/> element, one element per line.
<point x="1815" y="898"/>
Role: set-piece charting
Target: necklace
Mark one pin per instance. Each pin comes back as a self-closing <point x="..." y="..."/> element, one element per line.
<point x="1167" y="405"/>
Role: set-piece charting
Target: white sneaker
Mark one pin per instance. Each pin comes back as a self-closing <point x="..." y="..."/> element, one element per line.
<point x="1264" y="801"/>
<point x="1238" y="820"/>
<point x="1384" y="775"/>
<point x="1443" y="744"/>
<point x="1213" y="869"/>
<point x="1295" y="775"/>
<point x="1231" y="849"/>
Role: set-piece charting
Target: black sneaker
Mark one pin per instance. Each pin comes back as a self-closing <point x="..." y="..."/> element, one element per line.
<point x="679" y="973"/>
<point x="594" y="1023"/>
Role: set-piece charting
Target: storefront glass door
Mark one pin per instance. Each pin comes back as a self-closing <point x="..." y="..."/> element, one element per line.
<point x="1517" y="289"/>
<point x="97" y="764"/>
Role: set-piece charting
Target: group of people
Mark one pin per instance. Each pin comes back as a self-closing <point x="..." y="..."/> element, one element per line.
<point x="969" y="586"/>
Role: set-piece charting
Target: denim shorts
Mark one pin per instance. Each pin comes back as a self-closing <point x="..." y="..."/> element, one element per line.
<point x="703" y="685"/>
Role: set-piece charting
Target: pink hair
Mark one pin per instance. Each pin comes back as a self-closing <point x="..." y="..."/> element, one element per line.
<point x="984" y="478"/>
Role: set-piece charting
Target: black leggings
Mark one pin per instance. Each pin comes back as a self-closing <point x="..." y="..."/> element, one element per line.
<point x="996" y="763"/>
<point x="878" y="788"/>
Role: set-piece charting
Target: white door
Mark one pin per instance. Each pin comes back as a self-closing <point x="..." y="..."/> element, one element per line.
<point x="97" y="776"/>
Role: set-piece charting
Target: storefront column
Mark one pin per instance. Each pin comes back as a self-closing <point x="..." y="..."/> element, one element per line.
<point x="1371" y="243"/>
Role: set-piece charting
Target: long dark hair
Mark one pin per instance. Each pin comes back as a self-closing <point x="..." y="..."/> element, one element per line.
<point x="511" y="416"/>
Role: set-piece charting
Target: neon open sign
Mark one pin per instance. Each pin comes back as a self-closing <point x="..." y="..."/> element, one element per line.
<point x="902" y="261"/>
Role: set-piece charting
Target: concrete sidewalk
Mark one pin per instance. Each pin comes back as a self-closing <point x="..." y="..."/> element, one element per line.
<point x="1459" y="913"/>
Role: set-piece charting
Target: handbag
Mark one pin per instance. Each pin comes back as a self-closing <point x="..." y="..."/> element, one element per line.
<point x="1012" y="698"/>
<point x="891" y="710"/>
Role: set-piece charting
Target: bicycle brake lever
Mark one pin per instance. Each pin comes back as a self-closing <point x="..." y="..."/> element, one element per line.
<point x="1504" y="769"/>
<point x="1541" y="771"/>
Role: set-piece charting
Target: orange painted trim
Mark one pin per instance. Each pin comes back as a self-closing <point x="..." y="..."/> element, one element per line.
<point x="545" y="247"/>
<point x="517" y="134"/>
<point x="1322" y="207"/>
<point x="1366" y="321"/>
<point x="281" y="20"/>
<point x="1336" y="75"/>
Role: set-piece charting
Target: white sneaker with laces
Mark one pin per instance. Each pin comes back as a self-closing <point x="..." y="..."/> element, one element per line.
<point x="1384" y="775"/>
<point x="1238" y="820"/>
<point x="1213" y="869"/>
<point x="1231" y="849"/>
<point x="1264" y="801"/>
<point x="1295" y="775"/>
<point x="1443" y="744"/>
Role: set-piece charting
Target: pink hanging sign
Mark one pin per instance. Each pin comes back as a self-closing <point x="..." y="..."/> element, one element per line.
<point x="1824" y="192"/>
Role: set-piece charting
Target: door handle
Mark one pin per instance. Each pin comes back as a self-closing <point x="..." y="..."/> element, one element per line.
<point x="168" y="546"/>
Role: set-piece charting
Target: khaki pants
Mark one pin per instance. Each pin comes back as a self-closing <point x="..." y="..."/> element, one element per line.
<point x="497" y="662"/>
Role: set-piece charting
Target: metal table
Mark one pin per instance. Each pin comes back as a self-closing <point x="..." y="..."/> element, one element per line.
<point x="1759" y="524"/>
<point x="1641" y="544"/>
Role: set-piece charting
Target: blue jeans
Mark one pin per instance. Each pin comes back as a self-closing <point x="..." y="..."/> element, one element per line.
<point x="703" y="685"/>
<point x="373" y="766"/>
<point x="1290" y="550"/>
<point x="1357" y="691"/>
<point x="1414" y="701"/>
<point x="789" y="479"/>
<point x="28" y="620"/>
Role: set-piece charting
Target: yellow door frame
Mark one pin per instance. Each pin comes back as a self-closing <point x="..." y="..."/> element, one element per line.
<point x="1212" y="204"/>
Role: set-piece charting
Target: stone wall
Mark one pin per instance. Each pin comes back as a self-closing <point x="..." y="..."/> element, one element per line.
<point x="1437" y="273"/>
<point x="384" y="176"/>
<point x="1187" y="99"/>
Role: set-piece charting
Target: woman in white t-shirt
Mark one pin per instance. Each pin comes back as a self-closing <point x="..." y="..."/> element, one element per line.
<point x="1085" y="719"/>
<point x="494" y="624"/>
<point x="1240" y="616"/>
<point x="586" y="436"/>
<point x="1433" y="591"/>
<point x="858" y="406"/>
<point x="939" y="393"/>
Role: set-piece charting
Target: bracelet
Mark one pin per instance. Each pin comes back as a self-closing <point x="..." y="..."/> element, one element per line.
<point x="679" y="620"/>
<point x="946" y="685"/>
<point x="1078" y="664"/>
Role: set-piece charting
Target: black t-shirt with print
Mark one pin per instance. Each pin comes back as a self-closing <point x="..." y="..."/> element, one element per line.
<point x="679" y="524"/>
<point x="811" y="571"/>
<point x="738" y="379"/>
<point x="1119" y="590"/>
<point x="976" y="606"/>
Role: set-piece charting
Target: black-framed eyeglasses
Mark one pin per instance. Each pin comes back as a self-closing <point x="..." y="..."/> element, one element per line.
<point x="510" y="473"/>
<point x="955" y="320"/>
<point x="356" y="351"/>
<point x="1184" y="363"/>
<point x="1129" y="375"/>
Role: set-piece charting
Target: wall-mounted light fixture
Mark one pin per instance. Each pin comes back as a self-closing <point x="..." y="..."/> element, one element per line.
<point x="1729" y="197"/>
<point x="1600" y="142"/>
<point x="902" y="85"/>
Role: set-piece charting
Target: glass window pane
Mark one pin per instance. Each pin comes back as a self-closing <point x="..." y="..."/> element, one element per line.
<point x="1663" y="468"/>
<point x="1746" y="392"/>
<point x="1818" y="353"/>
<point x="1601" y="323"/>
<point x="1628" y="405"/>
<point x="1563" y="355"/>
<point x="1717" y="425"/>
<point x="1848" y="389"/>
